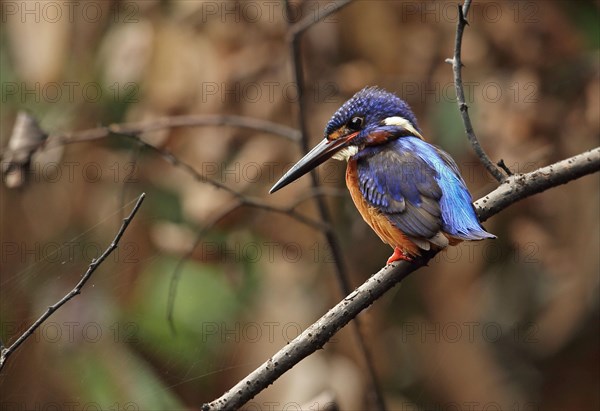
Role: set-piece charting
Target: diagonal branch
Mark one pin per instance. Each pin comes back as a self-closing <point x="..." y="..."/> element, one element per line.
<point x="241" y="197"/>
<point x="460" y="94"/>
<point x="6" y="352"/>
<point x="515" y="188"/>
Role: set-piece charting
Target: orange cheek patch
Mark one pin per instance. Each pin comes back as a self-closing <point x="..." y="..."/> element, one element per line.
<point x="379" y="137"/>
<point x="340" y="132"/>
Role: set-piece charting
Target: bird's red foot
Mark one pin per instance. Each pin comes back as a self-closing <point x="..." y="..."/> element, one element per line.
<point x="398" y="255"/>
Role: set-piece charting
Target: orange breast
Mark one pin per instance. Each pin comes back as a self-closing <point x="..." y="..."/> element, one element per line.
<point x="388" y="232"/>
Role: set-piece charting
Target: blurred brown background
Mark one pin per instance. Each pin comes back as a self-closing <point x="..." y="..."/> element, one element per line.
<point x="510" y="324"/>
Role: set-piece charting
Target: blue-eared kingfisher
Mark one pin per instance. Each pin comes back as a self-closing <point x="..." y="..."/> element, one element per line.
<point x="410" y="192"/>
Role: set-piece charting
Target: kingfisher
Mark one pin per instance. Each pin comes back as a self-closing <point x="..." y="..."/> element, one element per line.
<point x="408" y="191"/>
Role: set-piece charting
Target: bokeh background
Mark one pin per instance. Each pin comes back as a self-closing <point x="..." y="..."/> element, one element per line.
<point x="508" y="324"/>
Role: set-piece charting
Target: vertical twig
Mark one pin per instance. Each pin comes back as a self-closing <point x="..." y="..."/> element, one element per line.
<point x="460" y="94"/>
<point x="6" y="352"/>
<point x="295" y="33"/>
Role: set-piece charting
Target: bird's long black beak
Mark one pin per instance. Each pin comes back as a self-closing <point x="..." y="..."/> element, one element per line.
<point x="318" y="155"/>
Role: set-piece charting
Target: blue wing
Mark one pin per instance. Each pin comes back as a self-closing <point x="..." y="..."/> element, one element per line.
<point x="419" y="189"/>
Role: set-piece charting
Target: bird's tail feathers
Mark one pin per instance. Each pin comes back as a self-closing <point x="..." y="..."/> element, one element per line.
<point x="474" y="235"/>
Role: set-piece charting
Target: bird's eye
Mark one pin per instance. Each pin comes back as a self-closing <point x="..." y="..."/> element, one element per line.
<point x="356" y="123"/>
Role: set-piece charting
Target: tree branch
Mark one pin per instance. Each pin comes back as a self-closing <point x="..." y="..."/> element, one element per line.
<point x="6" y="352"/>
<point x="460" y="94"/>
<point x="520" y="186"/>
<point x="515" y="188"/>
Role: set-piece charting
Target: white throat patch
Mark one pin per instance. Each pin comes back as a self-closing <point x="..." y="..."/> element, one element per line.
<point x="345" y="153"/>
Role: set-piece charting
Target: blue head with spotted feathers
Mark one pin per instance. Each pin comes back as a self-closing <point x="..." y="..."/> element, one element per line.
<point x="373" y="105"/>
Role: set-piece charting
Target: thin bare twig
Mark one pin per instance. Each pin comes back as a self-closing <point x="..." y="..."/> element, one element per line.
<point x="515" y="188"/>
<point x="133" y="131"/>
<point x="342" y="277"/>
<point x="190" y="120"/>
<point x="203" y="120"/>
<point x="242" y="198"/>
<point x="305" y="145"/>
<point x="460" y="94"/>
<point x="307" y="22"/>
<point x="6" y="352"/>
